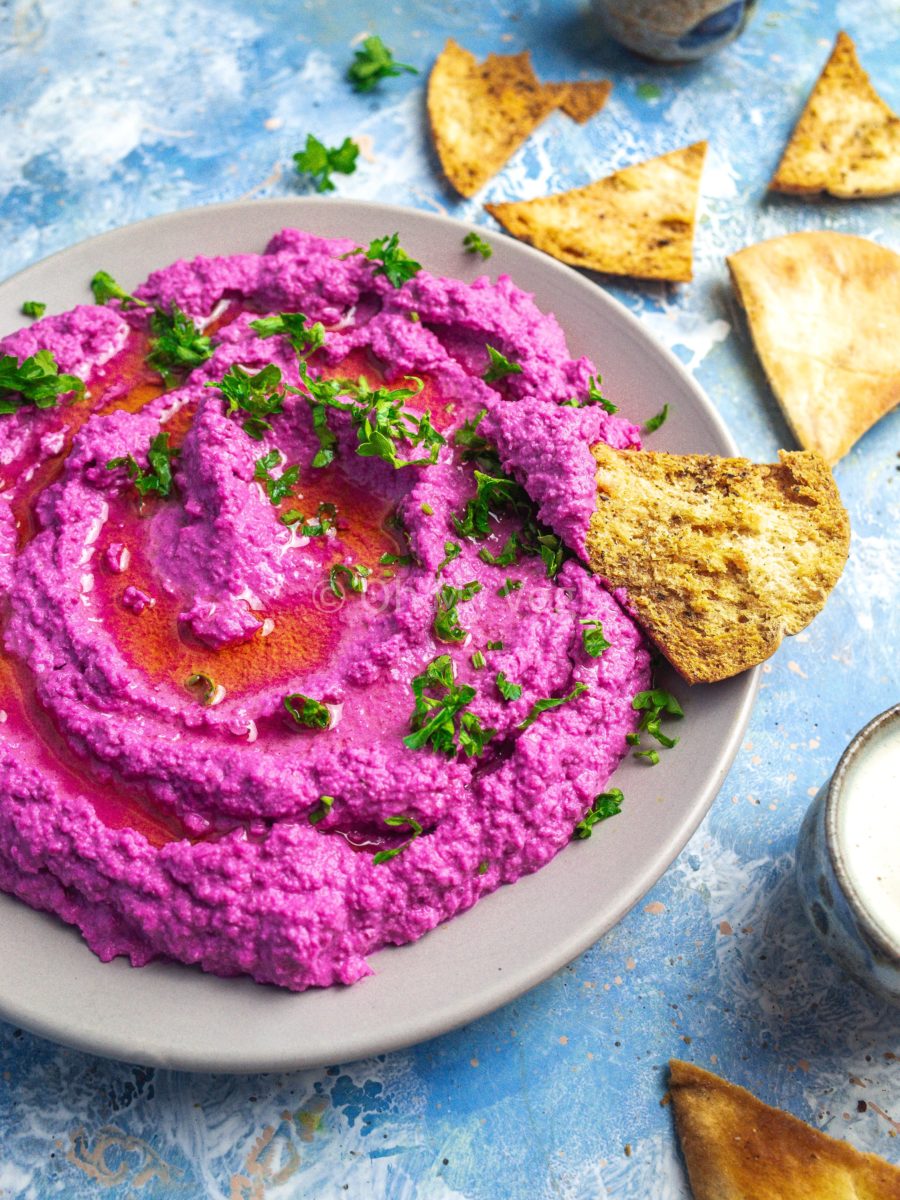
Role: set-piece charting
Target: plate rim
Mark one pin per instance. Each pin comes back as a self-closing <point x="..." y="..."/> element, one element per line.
<point x="360" y="1043"/>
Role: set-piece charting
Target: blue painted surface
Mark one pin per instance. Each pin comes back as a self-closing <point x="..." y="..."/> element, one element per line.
<point x="112" y="112"/>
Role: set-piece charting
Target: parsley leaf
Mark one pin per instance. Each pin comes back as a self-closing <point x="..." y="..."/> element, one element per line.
<point x="478" y="660"/>
<point x="398" y="560"/>
<point x="398" y="822"/>
<point x="355" y="576"/>
<point x="374" y="62"/>
<point x="654" y="423"/>
<point x="203" y="686"/>
<point x="607" y="804"/>
<point x="446" y="619"/>
<point x="280" y="487"/>
<point x="259" y="396"/>
<point x="499" y="366"/>
<point x="158" y="476"/>
<point x="177" y="343"/>
<point x="306" y="712"/>
<point x="467" y="435"/>
<point x="509" y="691"/>
<point x="304" y="338"/>
<point x="451" y="550"/>
<point x="33" y="308"/>
<point x="492" y="493"/>
<point x="441" y="719"/>
<point x="105" y="288"/>
<point x="542" y="706"/>
<point x="655" y="704"/>
<point x="475" y="244"/>
<point x="511" y="585"/>
<point x="592" y="638"/>
<point x="320" y="161"/>
<point x="494" y="645"/>
<point x="396" y="264"/>
<point x="326" y="514"/>
<point x="35" y="380"/>
<point x="322" y="809"/>
<point x="507" y="557"/>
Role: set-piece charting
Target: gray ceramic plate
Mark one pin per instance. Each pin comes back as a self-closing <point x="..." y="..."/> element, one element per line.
<point x="171" y="1015"/>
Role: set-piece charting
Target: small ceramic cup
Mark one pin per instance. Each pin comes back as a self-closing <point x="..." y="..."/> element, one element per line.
<point x="848" y="858"/>
<point x="673" y="30"/>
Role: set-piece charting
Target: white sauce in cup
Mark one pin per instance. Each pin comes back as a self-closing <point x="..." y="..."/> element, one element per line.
<point x="868" y="827"/>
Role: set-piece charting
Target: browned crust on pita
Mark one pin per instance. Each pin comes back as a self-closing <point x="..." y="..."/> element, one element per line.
<point x="719" y="557"/>
<point x="580" y="100"/>
<point x="638" y="221"/>
<point x="481" y="113"/>
<point x="847" y="141"/>
<point x="824" y="313"/>
<point x="737" y="1148"/>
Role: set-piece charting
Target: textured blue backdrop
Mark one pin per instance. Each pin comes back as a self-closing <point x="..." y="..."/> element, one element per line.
<point x="114" y="111"/>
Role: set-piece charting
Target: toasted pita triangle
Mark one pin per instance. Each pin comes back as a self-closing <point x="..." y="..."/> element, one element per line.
<point x="639" y="221"/>
<point x="580" y="100"/>
<point x="737" y="1148"/>
<point x="481" y="113"/>
<point x="824" y="312"/>
<point x="719" y="558"/>
<point x="847" y="141"/>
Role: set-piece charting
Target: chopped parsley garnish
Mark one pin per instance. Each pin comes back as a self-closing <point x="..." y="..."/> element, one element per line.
<point x="203" y="687"/>
<point x="607" y="804"/>
<point x="468" y="436"/>
<point x="306" y="712"/>
<point x="395" y="263"/>
<point x="278" y="488"/>
<point x="442" y="720"/>
<point x="446" y="619"/>
<point x="451" y="550"/>
<point x="427" y="510"/>
<point x="33" y="308"/>
<point x="105" y="288"/>
<point x="326" y="514"/>
<point x="36" y="380"/>
<point x="552" y="552"/>
<point x="542" y="706"/>
<point x="177" y="344"/>
<point x="511" y="585"/>
<point x="321" y="161"/>
<point x="374" y="62"/>
<point x="478" y="660"/>
<point x="499" y="366"/>
<point x="398" y="822"/>
<point x="259" y="396"/>
<point x="483" y="867"/>
<point x="655" y="704"/>
<point x="595" y="396"/>
<point x="507" y="557"/>
<point x="379" y="416"/>
<point x="475" y="244"/>
<point x="492" y="493"/>
<point x="158" y="476"/>
<point x="494" y="645"/>
<point x="304" y="337"/>
<point x="397" y="560"/>
<point x="508" y="690"/>
<point x="413" y="315"/>
<point x="355" y="578"/>
<point x="592" y="638"/>
<point x="322" y="809"/>
<point x="654" y="423"/>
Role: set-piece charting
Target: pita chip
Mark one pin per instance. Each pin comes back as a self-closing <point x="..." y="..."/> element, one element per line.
<point x="737" y="1148"/>
<point x="824" y="314"/>
<point x="847" y="141"/>
<point x="580" y="100"/>
<point x="639" y="221"/>
<point x="481" y="113"/>
<point x="719" y="557"/>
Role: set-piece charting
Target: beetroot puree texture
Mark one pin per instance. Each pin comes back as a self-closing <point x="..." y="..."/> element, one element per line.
<point x="163" y="825"/>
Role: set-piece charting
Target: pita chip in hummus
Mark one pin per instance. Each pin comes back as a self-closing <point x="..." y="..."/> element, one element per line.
<point x="847" y="141"/>
<point x="824" y="310"/>
<point x="737" y="1148"/>
<point x="638" y="221"/>
<point x="719" y="557"/>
